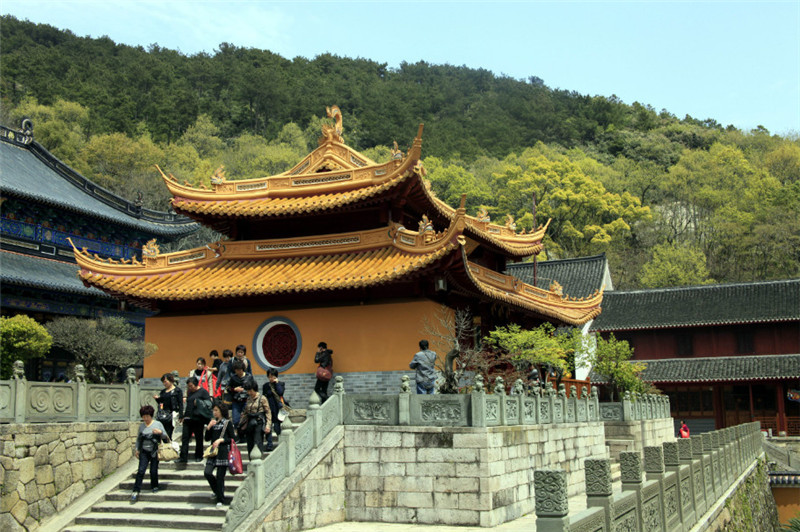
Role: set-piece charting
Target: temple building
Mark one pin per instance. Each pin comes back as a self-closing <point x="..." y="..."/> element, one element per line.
<point x="45" y="203"/>
<point x="725" y="354"/>
<point x="339" y="249"/>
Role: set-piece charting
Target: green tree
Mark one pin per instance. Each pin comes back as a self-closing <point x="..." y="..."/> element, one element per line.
<point x="674" y="265"/>
<point x="21" y="338"/>
<point x="62" y="127"/>
<point x="103" y="346"/>
<point x="611" y="358"/>
<point x="542" y="346"/>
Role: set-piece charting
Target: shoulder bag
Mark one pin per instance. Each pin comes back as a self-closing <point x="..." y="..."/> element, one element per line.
<point x="168" y="451"/>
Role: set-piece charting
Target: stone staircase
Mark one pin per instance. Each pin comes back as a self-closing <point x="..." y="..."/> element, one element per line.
<point x="617" y="445"/>
<point x="183" y="503"/>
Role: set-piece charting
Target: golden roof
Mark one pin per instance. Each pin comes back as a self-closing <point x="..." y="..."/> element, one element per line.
<point x="335" y="176"/>
<point x="332" y="262"/>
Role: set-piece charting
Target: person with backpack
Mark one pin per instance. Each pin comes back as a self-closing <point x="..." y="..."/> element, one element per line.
<point x="256" y="418"/>
<point x="425" y="363"/>
<point x="324" y="371"/>
<point x="205" y="377"/>
<point x="195" y="416"/>
<point x="224" y="376"/>
<point x="219" y="431"/>
<point x="237" y="388"/>
<point x="273" y="390"/>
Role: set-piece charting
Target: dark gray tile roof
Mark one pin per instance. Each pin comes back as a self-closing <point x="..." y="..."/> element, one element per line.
<point x="26" y="270"/>
<point x="30" y="171"/>
<point x="718" y="369"/>
<point x="691" y="306"/>
<point x="579" y="277"/>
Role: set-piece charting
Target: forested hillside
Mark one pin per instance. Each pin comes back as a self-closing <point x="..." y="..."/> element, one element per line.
<point x="671" y="201"/>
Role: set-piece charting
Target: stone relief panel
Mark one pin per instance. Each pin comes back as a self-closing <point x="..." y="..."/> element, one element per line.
<point x="492" y="410"/>
<point x="653" y="459"/>
<point x="51" y="401"/>
<point x="558" y="410"/>
<point x="512" y="411"/>
<point x="627" y="522"/>
<point x="651" y="515"/>
<point x="108" y="403"/>
<point x="242" y="504"/>
<point x="610" y="412"/>
<point x="275" y="468"/>
<point x="594" y="523"/>
<point x="6" y="401"/>
<point x="544" y="410"/>
<point x="529" y="410"/>
<point x="581" y="412"/>
<point x="366" y="409"/>
<point x="303" y="440"/>
<point x="442" y="412"/>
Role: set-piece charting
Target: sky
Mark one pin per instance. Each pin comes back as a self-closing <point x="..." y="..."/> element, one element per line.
<point x="735" y="62"/>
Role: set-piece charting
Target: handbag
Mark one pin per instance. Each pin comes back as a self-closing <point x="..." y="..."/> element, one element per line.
<point x="164" y="416"/>
<point x="210" y="451"/>
<point x="168" y="452"/>
<point x="323" y="374"/>
<point x="235" y="459"/>
<point x="283" y="413"/>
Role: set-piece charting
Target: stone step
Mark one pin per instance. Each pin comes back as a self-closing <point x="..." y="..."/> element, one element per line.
<point x="208" y="507"/>
<point x="184" y="485"/>
<point x="148" y="521"/>
<point x="114" y="528"/>
<point x="196" y="497"/>
<point x="188" y="467"/>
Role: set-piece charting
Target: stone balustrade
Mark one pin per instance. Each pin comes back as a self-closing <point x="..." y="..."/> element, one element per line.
<point x="250" y="501"/>
<point x="479" y="409"/>
<point x="682" y="481"/>
<point x="23" y="401"/>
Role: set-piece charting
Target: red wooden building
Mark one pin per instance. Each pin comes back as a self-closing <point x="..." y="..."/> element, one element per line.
<point x="724" y="354"/>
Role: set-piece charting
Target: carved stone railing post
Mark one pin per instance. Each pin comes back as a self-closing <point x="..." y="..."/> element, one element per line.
<point x="582" y="405"/>
<point x="686" y="481"/>
<point x="20" y="391"/>
<point x="672" y="465"/>
<point x="698" y="472"/>
<point x="552" y="508"/>
<point x="654" y="467"/>
<point x="500" y="391"/>
<point x="80" y="381"/>
<point x="133" y="394"/>
<point x="627" y="407"/>
<point x="287" y="438"/>
<point x="313" y="414"/>
<point x="478" y="403"/>
<point x="630" y="464"/>
<point x="708" y="469"/>
<point x="338" y="389"/>
<point x="404" y="403"/>
<point x="599" y="492"/>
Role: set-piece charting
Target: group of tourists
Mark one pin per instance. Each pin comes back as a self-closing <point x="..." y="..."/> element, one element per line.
<point x="223" y="406"/>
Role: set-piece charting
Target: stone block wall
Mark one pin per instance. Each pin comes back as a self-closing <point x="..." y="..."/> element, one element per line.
<point x="44" y="467"/>
<point x="643" y="433"/>
<point x="458" y="475"/>
<point x="316" y="500"/>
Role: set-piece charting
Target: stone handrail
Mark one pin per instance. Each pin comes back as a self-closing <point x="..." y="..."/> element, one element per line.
<point x="477" y="409"/>
<point x="636" y="407"/>
<point x="264" y="475"/>
<point x="23" y="401"/>
<point x="684" y="480"/>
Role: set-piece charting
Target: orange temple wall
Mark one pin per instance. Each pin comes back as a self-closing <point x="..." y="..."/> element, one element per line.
<point x="372" y="337"/>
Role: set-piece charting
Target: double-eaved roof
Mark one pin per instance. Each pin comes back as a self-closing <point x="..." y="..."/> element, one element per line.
<point x="694" y="306"/>
<point x="45" y="274"/>
<point x="30" y="172"/>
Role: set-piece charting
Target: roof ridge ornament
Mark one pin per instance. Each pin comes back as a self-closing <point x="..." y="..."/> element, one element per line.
<point x="150" y="250"/>
<point x="332" y="133"/>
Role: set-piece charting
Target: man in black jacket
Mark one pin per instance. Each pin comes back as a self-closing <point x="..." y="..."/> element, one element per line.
<point x="193" y="420"/>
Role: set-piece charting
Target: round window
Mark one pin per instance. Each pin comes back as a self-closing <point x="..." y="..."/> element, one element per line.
<point x="277" y="344"/>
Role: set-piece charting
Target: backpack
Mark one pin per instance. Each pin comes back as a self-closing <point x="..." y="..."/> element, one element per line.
<point x="202" y="409"/>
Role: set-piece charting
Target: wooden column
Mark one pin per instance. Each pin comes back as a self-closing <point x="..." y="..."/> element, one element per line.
<point x="782" y="423"/>
<point x="752" y="410"/>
